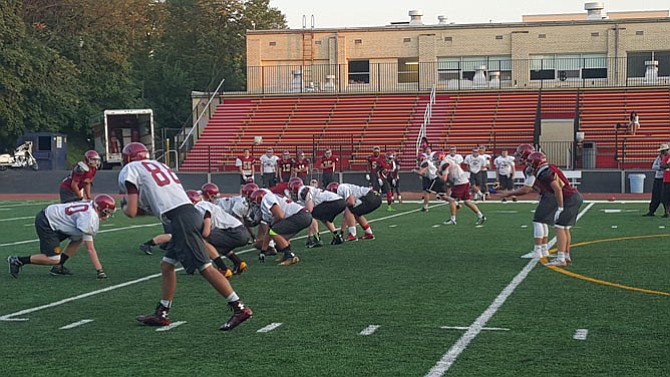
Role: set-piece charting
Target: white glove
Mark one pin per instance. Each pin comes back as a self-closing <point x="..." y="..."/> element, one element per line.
<point x="381" y="183"/>
<point x="367" y="177"/>
<point x="558" y="213"/>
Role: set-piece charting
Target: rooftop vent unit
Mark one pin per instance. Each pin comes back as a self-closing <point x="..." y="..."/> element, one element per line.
<point x="442" y="20"/>
<point x="595" y="11"/>
<point x="415" y="17"/>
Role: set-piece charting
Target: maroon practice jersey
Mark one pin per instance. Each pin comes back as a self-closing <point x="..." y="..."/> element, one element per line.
<point x="328" y="163"/>
<point x="550" y="173"/>
<point x="300" y="165"/>
<point x="286" y="166"/>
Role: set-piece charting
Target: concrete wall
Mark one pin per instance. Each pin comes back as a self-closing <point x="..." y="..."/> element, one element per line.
<point x="47" y="182"/>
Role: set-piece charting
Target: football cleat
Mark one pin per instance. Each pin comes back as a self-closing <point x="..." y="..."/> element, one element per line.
<point x="449" y="222"/>
<point x="424" y="209"/>
<point x="101" y="275"/>
<point x="368" y="236"/>
<point x="310" y="243"/>
<point x="390" y="209"/>
<point x="337" y="240"/>
<point x="159" y="318"/>
<point x="226" y="272"/>
<point x="351" y="237"/>
<point x="481" y="220"/>
<point x="567" y="258"/>
<point x="14" y="266"/>
<point x="240" y="314"/>
<point x="557" y="263"/>
<point x="289" y="259"/>
<point x="318" y="243"/>
<point x="240" y="268"/>
<point x="145" y="248"/>
<point x="59" y="270"/>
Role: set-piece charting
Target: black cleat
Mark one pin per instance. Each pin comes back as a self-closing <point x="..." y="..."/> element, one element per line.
<point x="159" y="318"/>
<point x="59" y="270"/>
<point x="14" y="266"/>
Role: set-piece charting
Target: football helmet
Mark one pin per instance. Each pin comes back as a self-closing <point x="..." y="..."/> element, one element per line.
<point x="92" y="158"/>
<point x="328" y="153"/>
<point x="134" y="152"/>
<point x="295" y="184"/>
<point x="439" y="156"/>
<point x="105" y="205"/>
<point x="390" y="155"/>
<point x="333" y="186"/>
<point x="523" y="151"/>
<point x="210" y="191"/>
<point x="302" y="192"/>
<point x="193" y="196"/>
<point x="258" y="195"/>
<point x="536" y="159"/>
<point x="249" y="189"/>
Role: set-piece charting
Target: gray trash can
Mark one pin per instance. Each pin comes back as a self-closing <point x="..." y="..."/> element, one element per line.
<point x="636" y="183"/>
<point x="589" y="155"/>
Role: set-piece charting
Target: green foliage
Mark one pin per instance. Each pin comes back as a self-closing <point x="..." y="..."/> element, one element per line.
<point x="63" y="62"/>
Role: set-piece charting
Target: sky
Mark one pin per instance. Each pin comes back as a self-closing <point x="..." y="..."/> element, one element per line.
<point x="359" y="13"/>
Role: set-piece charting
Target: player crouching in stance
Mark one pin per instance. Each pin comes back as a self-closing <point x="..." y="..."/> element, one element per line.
<point x="151" y="187"/>
<point x="360" y="201"/>
<point x="450" y="172"/>
<point x="281" y="220"/>
<point x="550" y="179"/>
<point x="77" y="221"/>
<point x="222" y="231"/>
<point x="323" y="205"/>
<point x="430" y="182"/>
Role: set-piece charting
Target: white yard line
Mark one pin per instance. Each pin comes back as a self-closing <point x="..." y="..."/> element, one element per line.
<point x="170" y="326"/>
<point x="467" y="328"/>
<point x="102" y="231"/>
<point x="76" y="324"/>
<point x="18" y="218"/>
<point x="580" y="334"/>
<point x="270" y="327"/>
<point x="369" y="330"/>
<point x="476" y="327"/>
<point x="9" y="317"/>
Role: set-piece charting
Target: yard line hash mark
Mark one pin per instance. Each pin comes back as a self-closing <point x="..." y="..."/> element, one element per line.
<point x="369" y="330"/>
<point x="170" y="326"/>
<point x="468" y="328"/>
<point x="580" y="334"/>
<point x="270" y="327"/>
<point x="76" y="324"/>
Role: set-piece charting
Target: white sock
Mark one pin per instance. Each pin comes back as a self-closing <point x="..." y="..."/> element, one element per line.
<point x="537" y="250"/>
<point x="560" y="256"/>
<point x="352" y="230"/>
<point x="233" y="297"/>
<point x="545" y="249"/>
<point x="480" y="214"/>
<point x="453" y="218"/>
<point x="166" y="303"/>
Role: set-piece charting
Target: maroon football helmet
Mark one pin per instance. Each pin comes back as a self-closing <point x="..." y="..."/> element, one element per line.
<point x="92" y="158"/>
<point x="536" y="159"/>
<point x="134" y="152"/>
<point x="249" y="189"/>
<point x="105" y="205"/>
<point x="193" y="196"/>
<point x="523" y="151"/>
<point x="258" y="195"/>
<point x="210" y="191"/>
<point x="295" y="184"/>
<point x="333" y="186"/>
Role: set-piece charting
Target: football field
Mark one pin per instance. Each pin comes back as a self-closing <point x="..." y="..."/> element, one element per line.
<point x="422" y="299"/>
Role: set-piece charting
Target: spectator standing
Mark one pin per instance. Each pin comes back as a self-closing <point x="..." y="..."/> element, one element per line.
<point x="286" y="164"/>
<point x="245" y="165"/>
<point x="475" y="163"/>
<point x="302" y="167"/>
<point x="505" y="172"/>
<point x="665" y="195"/>
<point x="269" y="168"/>
<point x="328" y="165"/>
<point x="657" y="189"/>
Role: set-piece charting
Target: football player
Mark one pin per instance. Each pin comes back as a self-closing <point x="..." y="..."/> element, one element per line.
<point x="324" y="206"/>
<point x="282" y="218"/>
<point x="544" y="212"/>
<point x="286" y="164"/>
<point x="151" y="187"/>
<point x="393" y="177"/>
<point x="222" y="232"/>
<point x="269" y="165"/>
<point x="302" y="167"/>
<point x="551" y="179"/>
<point x="475" y="164"/>
<point x="451" y="172"/>
<point x="77" y="221"/>
<point x="429" y="179"/>
<point x="77" y="186"/>
<point x="505" y="172"/>
<point x="360" y="201"/>
<point x="328" y="164"/>
<point x="245" y="165"/>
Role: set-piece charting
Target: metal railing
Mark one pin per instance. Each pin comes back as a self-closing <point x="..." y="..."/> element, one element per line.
<point x="426" y="121"/>
<point x="510" y="74"/>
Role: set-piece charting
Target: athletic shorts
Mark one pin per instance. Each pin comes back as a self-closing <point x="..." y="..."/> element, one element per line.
<point x="460" y="192"/>
<point x="326" y="178"/>
<point x="291" y="225"/>
<point x="369" y="203"/>
<point x="49" y="239"/>
<point x="568" y="217"/>
<point x="506" y="183"/>
<point x="67" y="196"/>
<point x="544" y="212"/>
<point x="225" y="240"/>
<point x="187" y="245"/>
<point x="478" y="179"/>
<point x="328" y="211"/>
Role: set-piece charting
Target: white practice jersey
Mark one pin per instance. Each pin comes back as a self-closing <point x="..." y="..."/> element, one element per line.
<point x="289" y="207"/>
<point x="487" y="158"/>
<point x="454" y="173"/>
<point x="77" y="220"/>
<point x="159" y="188"/>
<point x="236" y="206"/>
<point x="475" y="164"/>
<point x="269" y="164"/>
<point x="431" y="170"/>
<point x="457" y="158"/>
<point x="346" y="190"/>
<point x="316" y="195"/>
<point x="504" y="165"/>
<point x="529" y="179"/>
<point x="220" y="219"/>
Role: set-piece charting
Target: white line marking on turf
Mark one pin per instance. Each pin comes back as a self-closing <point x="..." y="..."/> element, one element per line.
<point x="102" y="231"/>
<point x="467" y="328"/>
<point x="661" y="227"/>
<point x="524" y="226"/>
<point x="393" y="225"/>
<point x="369" y="330"/>
<point x="448" y="359"/>
<point x="270" y="327"/>
<point x="436" y="226"/>
<point x="581" y="334"/>
<point x="171" y="326"/>
<point x="76" y="324"/>
<point x="18" y="218"/>
<point x="614" y="226"/>
<point x="8" y="317"/>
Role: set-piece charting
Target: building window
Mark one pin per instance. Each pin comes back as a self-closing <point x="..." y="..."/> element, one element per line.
<point x="408" y="70"/>
<point x="273" y="43"/>
<point x="542" y="36"/>
<point x="448" y="39"/>
<point x="317" y="42"/>
<point x="499" y="37"/>
<point x="406" y="40"/>
<point x="639" y="32"/>
<point x="464" y="68"/>
<point x="568" y="67"/>
<point x="359" y="72"/>
<point x="596" y="34"/>
<point x="637" y="66"/>
<point x="358" y="41"/>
